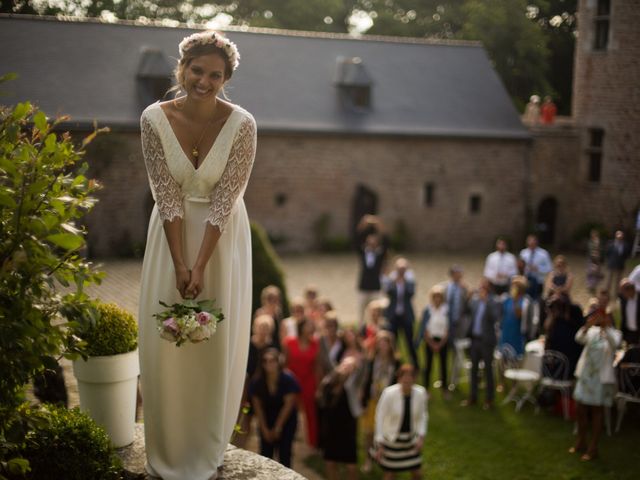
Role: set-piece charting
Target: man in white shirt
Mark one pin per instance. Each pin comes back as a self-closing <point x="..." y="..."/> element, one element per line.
<point x="629" y="312"/>
<point x="537" y="266"/>
<point x="499" y="267"/>
<point x="634" y="277"/>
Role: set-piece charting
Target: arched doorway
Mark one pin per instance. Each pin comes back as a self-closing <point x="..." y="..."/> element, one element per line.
<point x="546" y="220"/>
<point x="365" y="202"/>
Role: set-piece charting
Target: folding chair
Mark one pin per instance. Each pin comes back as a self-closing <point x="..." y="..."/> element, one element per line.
<point x="555" y="375"/>
<point x="628" y="388"/>
<point x="523" y="378"/>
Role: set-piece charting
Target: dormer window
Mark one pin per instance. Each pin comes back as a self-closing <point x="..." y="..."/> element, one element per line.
<point x="354" y="84"/>
<point x="154" y="76"/>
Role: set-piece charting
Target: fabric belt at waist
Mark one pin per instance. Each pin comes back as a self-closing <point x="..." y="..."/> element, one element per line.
<point x="191" y="198"/>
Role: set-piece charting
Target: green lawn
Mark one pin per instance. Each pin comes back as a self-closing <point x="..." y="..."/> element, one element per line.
<point x="470" y="443"/>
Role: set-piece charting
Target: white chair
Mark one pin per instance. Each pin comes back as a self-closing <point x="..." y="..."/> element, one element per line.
<point x="460" y="345"/>
<point x="555" y="376"/>
<point x="523" y="378"/>
<point x="628" y="388"/>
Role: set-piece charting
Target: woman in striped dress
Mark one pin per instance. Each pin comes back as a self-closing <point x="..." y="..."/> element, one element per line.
<point x="401" y="425"/>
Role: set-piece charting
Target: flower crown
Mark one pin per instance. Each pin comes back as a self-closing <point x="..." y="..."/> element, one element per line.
<point x="203" y="38"/>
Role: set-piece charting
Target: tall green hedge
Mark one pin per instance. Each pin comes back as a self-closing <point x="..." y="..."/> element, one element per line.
<point x="266" y="267"/>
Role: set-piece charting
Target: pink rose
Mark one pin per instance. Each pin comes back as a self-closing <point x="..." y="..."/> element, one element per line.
<point x="219" y="43"/>
<point x="203" y="318"/>
<point x="170" y="324"/>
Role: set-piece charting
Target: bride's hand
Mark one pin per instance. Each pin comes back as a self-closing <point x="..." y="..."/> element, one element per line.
<point x="183" y="277"/>
<point x="194" y="288"/>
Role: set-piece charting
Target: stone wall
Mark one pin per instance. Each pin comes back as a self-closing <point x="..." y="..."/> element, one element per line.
<point x="297" y="179"/>
<point x="320" y="174"/>
<point x="606" y="95"/>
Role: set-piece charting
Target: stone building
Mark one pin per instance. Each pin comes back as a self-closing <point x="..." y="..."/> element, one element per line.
<point x="420" y="132"/>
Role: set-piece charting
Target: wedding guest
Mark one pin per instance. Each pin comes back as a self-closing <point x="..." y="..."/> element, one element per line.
<point x="560" y="280"/>
<point x="594" y="261"/>
<point x="499" y="267"/>
<point x="331" y="345"/>
<point x="311" y="305"/>
<point x="289" y="326"/>
<point x="561" y="324"/>
<point x="616" y="255"/>
<point x="629" y="300"/>
<point x="531" y="114"/>
<point x="301" y="355"/>
<point x="456" y="294"/>
<point x="401" y="426"/>
<point x="372" y="254"/>
<point x="271" y="304"/>
<point x="262" y="337"/>
<point x="374" y="322"/>
<point x="338" y="398"/>
<point x="435" y="325"/>
<point x="596" y="380"/>
<point x="634" y="277"/>
<point x="485" y="317"/>
<point x="381" y="367"/>
<point x="400" y="287"/>
<point x="537" y="266"/>
<point x="274" y="395"/>
<point x="515" y="316"/>
<point x="548" y="111"/>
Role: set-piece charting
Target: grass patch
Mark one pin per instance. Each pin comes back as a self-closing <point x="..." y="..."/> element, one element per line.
<point x="470" y="443"/>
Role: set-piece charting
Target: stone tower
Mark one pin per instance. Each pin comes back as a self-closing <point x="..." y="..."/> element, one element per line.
<point x="606" y="111"/>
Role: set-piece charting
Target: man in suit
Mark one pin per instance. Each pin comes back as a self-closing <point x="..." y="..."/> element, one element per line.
<point x="616" y="255"/>
<point x="629" y="299"/>
<point x="400" y="286"/>
<point x="484" y="314"/>
<point x="372" y="255"/>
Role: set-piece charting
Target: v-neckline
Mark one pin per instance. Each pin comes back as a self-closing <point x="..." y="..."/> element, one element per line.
<point x="213" y="145"/>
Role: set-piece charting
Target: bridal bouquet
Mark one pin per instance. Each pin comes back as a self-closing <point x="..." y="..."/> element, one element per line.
<point x="189" y="321"/>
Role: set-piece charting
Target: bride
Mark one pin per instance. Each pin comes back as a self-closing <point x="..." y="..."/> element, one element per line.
<point x="199" y="151"/>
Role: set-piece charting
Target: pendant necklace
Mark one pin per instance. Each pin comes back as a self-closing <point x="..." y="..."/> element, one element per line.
<point x="195" y="151"/>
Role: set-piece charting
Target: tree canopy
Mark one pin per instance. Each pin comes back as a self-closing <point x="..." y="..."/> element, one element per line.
<point x="530" y="42"/>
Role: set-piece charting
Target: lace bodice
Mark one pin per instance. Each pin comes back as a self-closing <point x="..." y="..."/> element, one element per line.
<point x="221" y="178"/>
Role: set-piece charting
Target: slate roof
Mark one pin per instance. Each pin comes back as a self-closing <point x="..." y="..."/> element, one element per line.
<point x="89" y="70"/>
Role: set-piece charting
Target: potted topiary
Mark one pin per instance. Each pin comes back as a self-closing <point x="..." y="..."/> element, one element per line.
<point x="108" y="376"/>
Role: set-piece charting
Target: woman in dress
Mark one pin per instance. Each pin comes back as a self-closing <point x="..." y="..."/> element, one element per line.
<point x="338" y="396"/>
<point x="380" y="372"/>
<point x="199" y="151"/>
<point x="514" y="310"/>
<point x="302" y="359"/>
<point x="401" y="425"/>
<point x="274" y="395"/>
<point x="596" y="383"/>
<point x="560" y="280"/>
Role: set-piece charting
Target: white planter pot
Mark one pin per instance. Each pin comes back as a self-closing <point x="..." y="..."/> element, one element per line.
<point x="107" y="388"/>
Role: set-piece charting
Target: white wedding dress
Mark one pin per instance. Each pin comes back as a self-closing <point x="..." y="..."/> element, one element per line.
<point x="191" y="394"/>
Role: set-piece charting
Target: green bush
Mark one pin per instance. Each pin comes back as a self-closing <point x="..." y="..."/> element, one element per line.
<point x="70" y="446"/>
<point x="266" y="267"/>
<point x="44" y="194"/>
<point x="114" y="331"/>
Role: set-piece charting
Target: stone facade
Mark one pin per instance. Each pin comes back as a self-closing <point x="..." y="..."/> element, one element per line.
<point x="297" y="179"/>
<point x="606" y="96"/>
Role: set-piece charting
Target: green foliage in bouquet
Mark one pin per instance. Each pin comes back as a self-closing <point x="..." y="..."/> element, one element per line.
<point x="266" y="267"/>
<point x="115" y="331"/>
<point x="70" y="446"/>
<point x="43" y="193"/>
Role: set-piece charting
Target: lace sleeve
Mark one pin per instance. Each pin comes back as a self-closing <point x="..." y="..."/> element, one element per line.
<point x="166" y="191"/>
<point x="235" y="176"/>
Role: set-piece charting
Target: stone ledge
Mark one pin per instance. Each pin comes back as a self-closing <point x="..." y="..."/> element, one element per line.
<point x="238" y="464"/>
